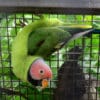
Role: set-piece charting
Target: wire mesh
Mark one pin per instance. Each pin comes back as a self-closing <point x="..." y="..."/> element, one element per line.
<point x="11" y="23"/>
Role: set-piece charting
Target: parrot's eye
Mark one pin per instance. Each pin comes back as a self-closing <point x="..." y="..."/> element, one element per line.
<point x="41" y="71"/>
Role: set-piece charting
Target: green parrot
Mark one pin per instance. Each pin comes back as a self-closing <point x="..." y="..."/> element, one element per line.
<point x="35" y="42"/>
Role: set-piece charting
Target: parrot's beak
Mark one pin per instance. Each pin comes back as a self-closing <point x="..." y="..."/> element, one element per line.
<point x="45" y="83"/>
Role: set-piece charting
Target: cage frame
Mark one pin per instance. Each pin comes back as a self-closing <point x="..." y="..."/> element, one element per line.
<point x="51" y="6"/>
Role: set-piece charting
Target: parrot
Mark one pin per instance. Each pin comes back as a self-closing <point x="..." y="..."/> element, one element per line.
<point x="34" y="43"/>
<point x="71" y="83"/>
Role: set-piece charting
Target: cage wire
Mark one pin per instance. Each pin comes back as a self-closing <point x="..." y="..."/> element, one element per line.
<point x="11" y="23"/>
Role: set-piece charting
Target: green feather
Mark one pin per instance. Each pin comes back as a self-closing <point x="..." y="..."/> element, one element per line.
<point x="45" y="40"/>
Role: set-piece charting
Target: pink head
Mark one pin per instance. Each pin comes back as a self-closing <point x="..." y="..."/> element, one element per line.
<point x="40" y="70"/>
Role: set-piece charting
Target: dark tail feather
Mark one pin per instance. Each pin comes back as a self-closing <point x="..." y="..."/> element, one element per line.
<point x="75" y="36"/>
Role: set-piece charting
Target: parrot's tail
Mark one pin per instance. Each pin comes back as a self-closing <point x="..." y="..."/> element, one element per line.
<point x="81" y="34"/>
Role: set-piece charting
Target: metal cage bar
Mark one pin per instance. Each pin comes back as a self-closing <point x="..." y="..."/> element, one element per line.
<point x="52" y="6"/>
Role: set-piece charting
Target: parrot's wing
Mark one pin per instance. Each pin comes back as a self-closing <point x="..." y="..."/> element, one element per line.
<point x="35" y="40"/>
<point x="75" y="29"/>
<point x="46" y="40"/>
